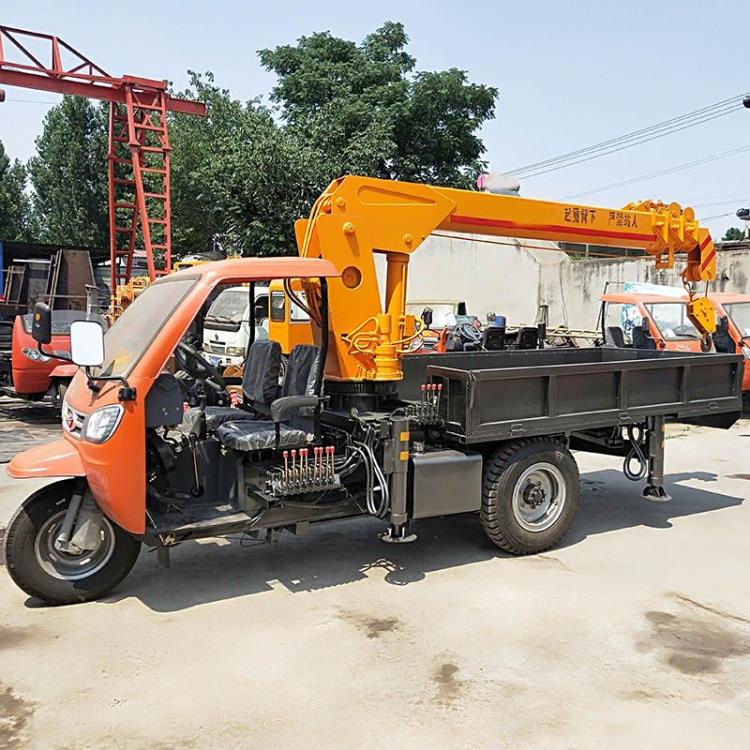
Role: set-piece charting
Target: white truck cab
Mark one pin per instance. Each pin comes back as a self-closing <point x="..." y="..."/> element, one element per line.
<point x="226" y="329"/>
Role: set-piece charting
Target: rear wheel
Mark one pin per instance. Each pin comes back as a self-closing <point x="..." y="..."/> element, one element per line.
<point x="530" y="495"/>
<point x="40" y="568"/>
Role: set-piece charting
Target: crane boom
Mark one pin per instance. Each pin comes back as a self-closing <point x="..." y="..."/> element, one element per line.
<point x="356" y="217"/>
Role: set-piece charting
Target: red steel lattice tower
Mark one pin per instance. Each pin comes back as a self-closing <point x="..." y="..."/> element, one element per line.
<point x="139" y="151"/>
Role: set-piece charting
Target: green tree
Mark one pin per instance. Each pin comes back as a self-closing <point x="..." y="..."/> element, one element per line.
<point x="247" y="172"/>
<point x="363" y="108"/>
<point x="15" y="207"/>
<point x="236" y="173"/>
<point x="69" y="174"/>
<point x="733" y="234"/>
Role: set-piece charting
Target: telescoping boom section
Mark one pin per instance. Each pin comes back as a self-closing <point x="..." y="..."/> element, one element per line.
<point x="357" y="217"/>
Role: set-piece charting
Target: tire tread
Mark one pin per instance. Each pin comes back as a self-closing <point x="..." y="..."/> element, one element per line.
<point x="498" y="463"/>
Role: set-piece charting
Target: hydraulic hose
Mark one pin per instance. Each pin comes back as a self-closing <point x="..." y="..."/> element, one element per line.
<point x="635" y="435"/>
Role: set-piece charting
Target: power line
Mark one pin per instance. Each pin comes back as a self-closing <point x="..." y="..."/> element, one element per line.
<point x="660" y="173"/>
<point x="624" y="146"/>
<point x="743" y="199"/>
<point x="633" y="138"/>
<point x="633" y="134"/>
<point x="717" y="216"/>
<point x="736" y="196"/>
<point x="33" y="101"/>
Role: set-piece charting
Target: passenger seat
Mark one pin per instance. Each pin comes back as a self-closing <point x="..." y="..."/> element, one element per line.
<point x="293" y="415"/>
<point x="260" y="387"/>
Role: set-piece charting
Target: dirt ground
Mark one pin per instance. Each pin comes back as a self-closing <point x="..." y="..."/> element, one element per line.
<point x="635" y="633"/>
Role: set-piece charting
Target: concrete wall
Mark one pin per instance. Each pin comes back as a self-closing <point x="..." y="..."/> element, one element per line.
<point x="502" y="276"/>
<point x="513" y="277"/>
<point x="574" y="290"/>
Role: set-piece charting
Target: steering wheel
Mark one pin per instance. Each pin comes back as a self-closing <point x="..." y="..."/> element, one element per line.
<point x="197" y="366"/>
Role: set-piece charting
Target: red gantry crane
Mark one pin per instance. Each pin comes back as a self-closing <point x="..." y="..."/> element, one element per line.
<point x="138" y="157"/>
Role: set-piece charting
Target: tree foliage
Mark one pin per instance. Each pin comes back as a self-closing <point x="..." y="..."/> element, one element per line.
<point x="733" y="234"/>
<point x="236" y="173"/>
<point x="363" y="108"/>
<point x="16" y="222"/>
<point x="69" y="174"/>
<point x="247" y="170"/>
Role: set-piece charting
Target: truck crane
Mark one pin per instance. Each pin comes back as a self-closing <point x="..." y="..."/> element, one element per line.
<point x="356" y="217"/>
<point x="341" y="436"/>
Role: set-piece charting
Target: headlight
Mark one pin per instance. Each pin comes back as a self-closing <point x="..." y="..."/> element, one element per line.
<point x="68" y="417"/>
<point x="100" y="425"/>
<point x="34" y="354"/>
<point x="235" y="351"/>
<point x="746" y="352"/>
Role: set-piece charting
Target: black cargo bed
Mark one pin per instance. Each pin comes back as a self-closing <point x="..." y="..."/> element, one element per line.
<point x="499" y="395"/>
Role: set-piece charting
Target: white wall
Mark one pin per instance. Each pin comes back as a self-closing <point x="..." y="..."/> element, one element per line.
<point x="579" y="283"/>
<point x="513" y="277"/>
<point x="489" y="275"/>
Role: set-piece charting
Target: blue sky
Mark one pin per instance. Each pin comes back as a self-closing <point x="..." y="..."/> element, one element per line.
<point x="569" y="75"/>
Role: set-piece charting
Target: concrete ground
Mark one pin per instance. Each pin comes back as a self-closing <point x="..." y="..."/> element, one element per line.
<point x="634" y="633"/>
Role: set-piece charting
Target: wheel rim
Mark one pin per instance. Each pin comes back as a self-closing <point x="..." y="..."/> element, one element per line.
<point x="67" y="566"/>
<point x="539" y="497"/>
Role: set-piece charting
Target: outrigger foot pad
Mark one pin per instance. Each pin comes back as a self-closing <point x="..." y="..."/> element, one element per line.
<point x="655" y="493"/>
<point x="397" y="535"/>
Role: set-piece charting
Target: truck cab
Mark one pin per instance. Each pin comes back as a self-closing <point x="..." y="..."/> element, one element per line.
<point x="288" y="321"/>
<point x="648" y="321"/>
<point x="733" y="313"/>
<point x="660" y="322"/>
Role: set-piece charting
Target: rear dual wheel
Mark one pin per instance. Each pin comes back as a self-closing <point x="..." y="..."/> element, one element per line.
<point x="530" y="495"/>
<point x="39" y="567"/>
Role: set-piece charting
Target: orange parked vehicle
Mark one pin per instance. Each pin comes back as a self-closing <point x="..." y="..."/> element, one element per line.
<point x="660" y="321"/>
<point x="649" y="321"/>
<point x="34" y="375"/>
<point x="733" y="332"/>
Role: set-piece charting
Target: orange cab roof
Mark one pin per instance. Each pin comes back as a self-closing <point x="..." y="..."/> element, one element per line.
<point x="729" y="297"/>
<point x="640" y="297"/>
<point x="259" y="269"/>
<point x="629" y="297"/>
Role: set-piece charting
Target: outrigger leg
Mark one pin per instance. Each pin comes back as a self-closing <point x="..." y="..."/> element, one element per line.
<point x="654" y="489"/>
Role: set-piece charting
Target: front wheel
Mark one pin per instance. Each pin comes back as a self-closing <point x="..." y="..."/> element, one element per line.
<point x="530" y="495"/>
<point x="38" y="565"/>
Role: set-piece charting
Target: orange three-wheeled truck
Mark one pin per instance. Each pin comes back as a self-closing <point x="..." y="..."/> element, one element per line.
<point x="346" y="432"/>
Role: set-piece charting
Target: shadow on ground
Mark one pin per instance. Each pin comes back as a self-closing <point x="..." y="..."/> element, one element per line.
<point x="345" y="552"/>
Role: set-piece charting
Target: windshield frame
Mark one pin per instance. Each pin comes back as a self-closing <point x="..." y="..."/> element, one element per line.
<point x="158" y="323"/>
<point x="727" y="307"/>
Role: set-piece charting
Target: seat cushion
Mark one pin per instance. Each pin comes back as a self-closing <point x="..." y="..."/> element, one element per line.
<point x="217" y="416"/>
<point x="255" y="435"/>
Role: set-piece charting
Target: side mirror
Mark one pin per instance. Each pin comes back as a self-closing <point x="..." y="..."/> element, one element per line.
<point x="427" y="317"/>
<point x="260" y="312"/>
<point x="41" y="323"/>
<point x="87" y="343"/>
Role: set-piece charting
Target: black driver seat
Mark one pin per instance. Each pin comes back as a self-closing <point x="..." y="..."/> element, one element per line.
<point x="260" y="386"/>
<point x="298" y="400"/>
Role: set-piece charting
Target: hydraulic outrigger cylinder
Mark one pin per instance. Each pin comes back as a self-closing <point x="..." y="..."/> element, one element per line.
<point x="399" y="447"/>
